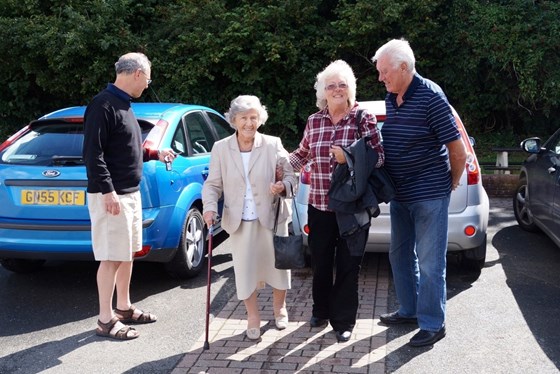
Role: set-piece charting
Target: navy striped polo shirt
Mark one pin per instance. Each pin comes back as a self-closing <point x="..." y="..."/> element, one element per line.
<point x="414" y="138"/>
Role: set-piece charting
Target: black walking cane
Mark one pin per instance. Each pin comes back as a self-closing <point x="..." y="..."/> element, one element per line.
<point x="210" y="234"/>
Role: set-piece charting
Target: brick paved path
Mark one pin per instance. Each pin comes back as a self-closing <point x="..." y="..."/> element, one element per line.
<point x="297" y="349"/>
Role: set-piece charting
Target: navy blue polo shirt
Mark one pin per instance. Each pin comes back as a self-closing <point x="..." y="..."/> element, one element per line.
<point x="414" y="138"/>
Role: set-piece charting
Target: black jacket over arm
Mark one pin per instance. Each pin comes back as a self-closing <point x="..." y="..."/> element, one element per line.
<point x="356" y="188"/>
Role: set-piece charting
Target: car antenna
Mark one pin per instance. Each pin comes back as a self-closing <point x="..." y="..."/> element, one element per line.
<point x="155" y="94"/>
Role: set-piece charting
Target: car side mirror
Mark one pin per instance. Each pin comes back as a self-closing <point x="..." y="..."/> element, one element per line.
<point x="531" y="145"/>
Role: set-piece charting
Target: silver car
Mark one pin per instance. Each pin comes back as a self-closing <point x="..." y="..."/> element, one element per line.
<point x="468" y="209"/>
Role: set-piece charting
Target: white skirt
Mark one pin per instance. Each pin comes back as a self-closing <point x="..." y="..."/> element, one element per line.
<point x="253" y="260"/>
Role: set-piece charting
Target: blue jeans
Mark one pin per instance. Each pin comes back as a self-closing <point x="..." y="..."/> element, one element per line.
<point x="418" y="259"/>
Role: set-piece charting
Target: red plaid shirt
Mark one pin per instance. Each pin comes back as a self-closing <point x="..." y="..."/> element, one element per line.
<point x="313" y="150"/>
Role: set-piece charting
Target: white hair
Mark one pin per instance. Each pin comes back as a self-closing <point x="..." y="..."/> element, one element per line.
<point x="244" y="103"/>
<point x="338" y="68"/>
<point x="398" y="51"/>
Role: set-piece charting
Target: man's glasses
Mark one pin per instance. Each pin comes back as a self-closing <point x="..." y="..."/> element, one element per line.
<point x="147" y="79"/>
<point x="333" y="86"/>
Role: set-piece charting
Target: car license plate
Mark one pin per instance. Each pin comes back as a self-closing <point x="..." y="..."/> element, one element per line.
<point x="53" y="197"/>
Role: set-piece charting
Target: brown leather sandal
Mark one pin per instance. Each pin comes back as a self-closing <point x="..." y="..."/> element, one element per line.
<point x="128" y="316"/>
<point x="116" y="330"/>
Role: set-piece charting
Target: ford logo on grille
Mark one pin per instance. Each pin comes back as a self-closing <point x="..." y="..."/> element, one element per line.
<point x="51" y="173"/>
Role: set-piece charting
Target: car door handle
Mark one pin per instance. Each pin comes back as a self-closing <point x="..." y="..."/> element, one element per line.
<point x="205" y="173"/>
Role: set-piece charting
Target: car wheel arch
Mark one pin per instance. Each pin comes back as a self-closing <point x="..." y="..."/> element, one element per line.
<point x="191" y="249"/>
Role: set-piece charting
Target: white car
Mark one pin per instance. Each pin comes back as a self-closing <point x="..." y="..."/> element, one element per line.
<point x="468" y="209"/>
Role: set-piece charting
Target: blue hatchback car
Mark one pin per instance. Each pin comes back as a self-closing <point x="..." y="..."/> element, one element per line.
<point x="43" y="201"/>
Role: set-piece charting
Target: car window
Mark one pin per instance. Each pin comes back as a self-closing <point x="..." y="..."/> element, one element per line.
<point x="553" y="144"/>
<point x="179" y="142"/>
<point x="223" y="129"/>
<point x="48" y="144"/>
<point x="199" y="134"/>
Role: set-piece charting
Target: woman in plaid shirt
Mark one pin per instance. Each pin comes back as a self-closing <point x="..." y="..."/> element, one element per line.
<point x="332" y="127"/>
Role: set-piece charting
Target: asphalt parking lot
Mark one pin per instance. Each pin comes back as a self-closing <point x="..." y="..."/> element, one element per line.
<point x="500" y="320"/>
<point x="503" y="319"/>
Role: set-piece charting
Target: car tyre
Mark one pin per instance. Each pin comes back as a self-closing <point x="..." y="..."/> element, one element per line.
<point x="18" y="265"/>
<point x="521" y="209"/>
<point x="190" y="257"/>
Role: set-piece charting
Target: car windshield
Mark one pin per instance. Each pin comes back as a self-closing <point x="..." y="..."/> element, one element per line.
<point x="50" y="144"/>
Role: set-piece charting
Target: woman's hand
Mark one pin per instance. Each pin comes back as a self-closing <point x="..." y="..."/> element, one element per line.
<point x="209" y="218"/>
<point x="338" y="154"/>
<point x="277" y="188"/>
<point x="279" y="173"/>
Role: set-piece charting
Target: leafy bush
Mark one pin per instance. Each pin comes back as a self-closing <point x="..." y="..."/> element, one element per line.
<point x="496" y="60"/>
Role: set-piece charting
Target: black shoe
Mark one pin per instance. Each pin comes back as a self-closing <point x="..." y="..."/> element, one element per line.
<point x="343" y="336"/>
<point x="318" y="322"/>
<point x="424" y="337"/>
<point x="395" y="319"/>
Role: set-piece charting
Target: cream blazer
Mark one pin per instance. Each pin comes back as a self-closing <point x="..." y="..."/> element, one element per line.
<point x="226" y="178"/>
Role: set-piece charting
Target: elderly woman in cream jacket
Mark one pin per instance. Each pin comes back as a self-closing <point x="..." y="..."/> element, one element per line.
<point x="243" y="171"/>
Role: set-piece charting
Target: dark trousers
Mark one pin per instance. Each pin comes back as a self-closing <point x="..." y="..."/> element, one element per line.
<point x="333" y="299"/>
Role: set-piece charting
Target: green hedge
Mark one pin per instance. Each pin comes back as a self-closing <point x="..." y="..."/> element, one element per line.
<point x="496" y="60"/>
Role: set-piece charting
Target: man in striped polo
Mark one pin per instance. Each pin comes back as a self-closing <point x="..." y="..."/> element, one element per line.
<point x="425" y="156"/>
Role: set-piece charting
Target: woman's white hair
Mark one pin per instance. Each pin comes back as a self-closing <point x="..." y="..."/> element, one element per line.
<point x="338" y="68"/>
<point x="243" y="103"/>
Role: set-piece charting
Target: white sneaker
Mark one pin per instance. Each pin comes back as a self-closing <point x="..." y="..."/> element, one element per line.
<point x="253" y="333"/>
<point x="281" y="322"/>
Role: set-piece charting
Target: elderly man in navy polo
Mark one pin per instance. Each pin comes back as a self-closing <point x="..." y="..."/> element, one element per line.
<point x="425" y="156"/>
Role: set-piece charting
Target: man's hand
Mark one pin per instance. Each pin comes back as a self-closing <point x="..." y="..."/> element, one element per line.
<point x="166" y="155"/>
<point x="112" y="203"/>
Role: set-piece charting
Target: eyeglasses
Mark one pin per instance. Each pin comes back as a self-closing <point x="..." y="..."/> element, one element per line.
<point x="333" y="86"/>
<point x="148" y="80"/>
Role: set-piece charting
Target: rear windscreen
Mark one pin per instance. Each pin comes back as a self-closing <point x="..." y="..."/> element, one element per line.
<point x="52" y="144"/>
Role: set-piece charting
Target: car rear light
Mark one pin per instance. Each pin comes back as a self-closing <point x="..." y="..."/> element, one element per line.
<point x="470" y="230"/>
<point x="473" y="169"/>
<point x="305" y="174"/>
<point x="13" y="138"/>
<point x="143" y="252"/>
<point x="156" y="134"/>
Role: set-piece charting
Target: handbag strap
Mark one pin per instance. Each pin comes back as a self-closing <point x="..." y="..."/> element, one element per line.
<point x="278" y="209"/>
<point x="359" y="116"/>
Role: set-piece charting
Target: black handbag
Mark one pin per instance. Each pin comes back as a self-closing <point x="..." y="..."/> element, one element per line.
<point x="288" y="250"/>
